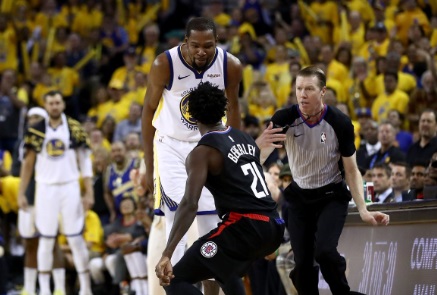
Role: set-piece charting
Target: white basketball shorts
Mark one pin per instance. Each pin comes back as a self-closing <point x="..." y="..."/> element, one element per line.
<point x="52" y="201"/>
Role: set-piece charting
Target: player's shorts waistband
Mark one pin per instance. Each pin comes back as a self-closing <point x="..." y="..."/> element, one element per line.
<point x="255" y="216"/>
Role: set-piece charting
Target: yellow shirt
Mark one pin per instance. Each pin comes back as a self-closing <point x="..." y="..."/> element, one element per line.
<point x="85" y="21"/>
<point x="99" y="112"/>
<point x="260" y="112"/>
<point x="39" y="91"/>
<point x="357" y="39"/>
<point x="136" y="95"/>
<point x="93" y="233"/>
<point x="8" y="198"/>
<point x="65" y="79"/>
<point x="354" y="91"/>
<point x="326" y="12"/>
<point x="8" y="50"/>
<point x="336" y="70"/>
<point x="222" y="19"/>
<point x="398" y="100"/>
<point x="5" y="160"/>
<point x="405" y="20"/>
<point x="277" y="75"/>
<point x="128" y="78"/>
<point x="406" y="83"/>
<point x="363" y="7"/>
<point x="433" y="40"/>
<point x="339" y="88"/>
<point x="46" y="22"/>
<point x="118" y="110"/>
<point x="147" y="58"/>
<point x="357" y="129"/>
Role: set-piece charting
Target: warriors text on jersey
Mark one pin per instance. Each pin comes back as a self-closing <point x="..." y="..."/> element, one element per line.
<point x="241" y="186"/>
<point x="172" y="117"/>
<point x="315" y="150"/>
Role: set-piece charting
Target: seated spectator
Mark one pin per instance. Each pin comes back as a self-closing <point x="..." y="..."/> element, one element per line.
<point x="370" y="144"/>
<point x="251" y="126"/>
<point x="426" y="146"/>
<point x="117" y="178"/>
<point x="388" y="152"/>
<point x="132" y="142"/>
<point x="122" y="233"/>
<point x="400" y="179"/>
<point x="381" y="173"/>
<point x="129" y="125"/>
<point x="285" y="176"/>
<point x="404" y="138"/>
<point x="417" y="178"/>
<point x="391" y="98"/>
<point x="101" y="160"/>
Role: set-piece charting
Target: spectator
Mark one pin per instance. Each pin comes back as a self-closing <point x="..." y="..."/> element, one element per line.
<point x="417" y="179"/>
<point x="381" y="173"/>
<point x="392" y="98"/>
<point x="117" y="180"/>
<point x="10" y="111"/>
<point x="132" y="141"/>
<point x="426" y="146"/>
<point x="370" y="144"/>
<point x="388" y="152"/>
<point x="129" y="125"/>
<point x="400" y="180"/>
<point x="404" y="138"/>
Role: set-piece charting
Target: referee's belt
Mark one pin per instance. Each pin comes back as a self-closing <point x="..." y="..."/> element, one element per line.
<point x="324" y="190"/>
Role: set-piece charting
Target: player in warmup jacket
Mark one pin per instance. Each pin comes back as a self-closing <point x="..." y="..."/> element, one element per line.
<point x="58" y="148"/>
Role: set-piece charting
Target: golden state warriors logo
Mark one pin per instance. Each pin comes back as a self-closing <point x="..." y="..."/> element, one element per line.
<point x="186" y="118"/>
<point x="55" y="148"/>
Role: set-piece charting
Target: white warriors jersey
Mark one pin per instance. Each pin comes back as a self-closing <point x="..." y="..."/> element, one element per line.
<point x="172" y="117"/>
<point x="57" y="162"/>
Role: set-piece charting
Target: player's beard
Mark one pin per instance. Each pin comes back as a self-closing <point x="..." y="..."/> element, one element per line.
<point x="55" y="116"/>
<point x="200" y="68"/>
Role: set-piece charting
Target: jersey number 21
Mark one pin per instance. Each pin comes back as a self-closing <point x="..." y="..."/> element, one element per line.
<point x="256" y="178"/>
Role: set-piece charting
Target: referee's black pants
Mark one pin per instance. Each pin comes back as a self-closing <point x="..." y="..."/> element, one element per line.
<point x="315" y="222"/>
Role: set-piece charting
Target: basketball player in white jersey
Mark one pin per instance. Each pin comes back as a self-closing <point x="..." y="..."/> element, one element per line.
<point x="27" y="230"/>
<point x="59" y="146"/>
<point x="173" y="74"/>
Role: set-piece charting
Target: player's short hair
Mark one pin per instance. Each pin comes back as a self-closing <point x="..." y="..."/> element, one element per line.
<point x="200" y="24"/>
<point x="312" y="71"/>
<point x="207" y="103"/>
<point x="52" y="93"/>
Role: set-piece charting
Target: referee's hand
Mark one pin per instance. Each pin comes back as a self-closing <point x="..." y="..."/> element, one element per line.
<point x="164" y="271"/>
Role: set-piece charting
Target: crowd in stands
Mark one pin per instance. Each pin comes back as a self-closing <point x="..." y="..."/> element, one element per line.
<point x="379" y="57"/>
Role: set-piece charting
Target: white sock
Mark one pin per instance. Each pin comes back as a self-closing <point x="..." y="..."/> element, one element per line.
<point x="144" y="287"/>
<point x="135" y="286"/>
<point x="59" y="279"/>
<point x="130" y="264"/>
<point x="85" y="283"/>
<point x="30" y="279"/>
<point x="44" y="283"/>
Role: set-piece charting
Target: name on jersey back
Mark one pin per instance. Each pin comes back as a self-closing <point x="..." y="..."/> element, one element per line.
<point x="239" y="150"/>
